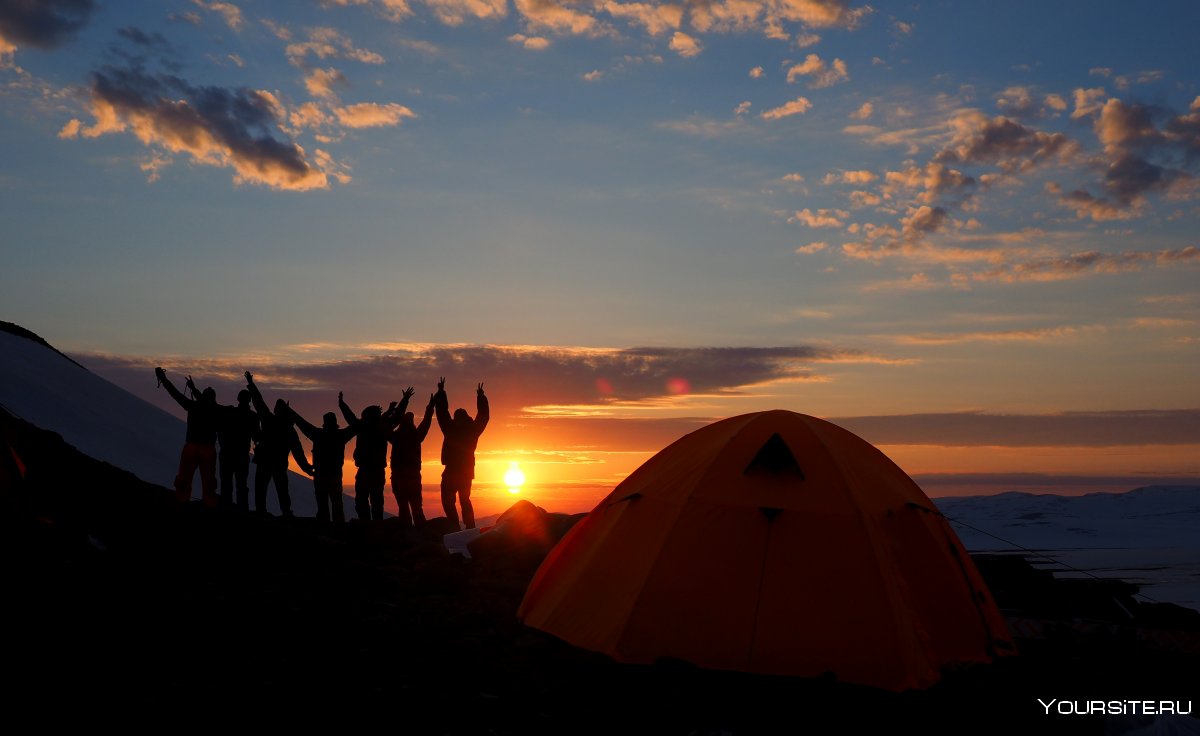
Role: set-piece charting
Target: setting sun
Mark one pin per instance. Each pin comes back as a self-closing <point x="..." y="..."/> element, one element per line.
<point x="514" y="478"/>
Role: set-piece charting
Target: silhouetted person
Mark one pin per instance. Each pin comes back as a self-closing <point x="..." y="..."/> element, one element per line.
<point x="277" y="439"/>
<point x="328" y="456"/>
<point x="406" y="442"/>
<point x="370" y="453"/>
<point x="200" y="447"/>
<point x="237" y="429"/>
<point x="460" y="436"/>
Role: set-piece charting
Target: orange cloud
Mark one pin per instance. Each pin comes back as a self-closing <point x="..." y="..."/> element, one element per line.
<point x="819" y="13"/>
<point x="822" y="218"/>
<point x="820" y="74"/>
<point x="932" y="182"/>
<point x="1075" y="265"/>
<point x="533" y="43"/>
<point x="325" y="43"/>
<point x="372" y="115"/>
<point x="393" y="10"/>
<point x="230" y="13"/>
<point x="1087" y="101"/>
<point x="8" y="49"/>
<point x="684" y="45"/>
<point x="864" y="199"/>
<point x="850" y="177"/>
<point x="558" y="17"/>
<point x="865" y="111"/>
<point x="1043" y="334"/>
<point x="1005" y="143"/>
<point x="320" y="82"/>
<point x="226" y="128"/>
<point x="454" y="12"/>
<point x="656" y="19"/>
<point x="798" y="106"/>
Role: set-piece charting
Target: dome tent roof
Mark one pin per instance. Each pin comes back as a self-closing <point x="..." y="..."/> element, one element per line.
<point x="776" y="543"/>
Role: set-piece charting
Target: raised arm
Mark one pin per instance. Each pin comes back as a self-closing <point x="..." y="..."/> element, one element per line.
<point x="347" y="412"/>
<point x="303" y="424"/>
<point x="256" y="396"/>
<point x="483" y="412"/>
<point x="423" y="427"/>
<point x="441" y="405"/>
<point x="180" y="399"/>
<point x="396" y="413"/>
<point x="193" y="392"/>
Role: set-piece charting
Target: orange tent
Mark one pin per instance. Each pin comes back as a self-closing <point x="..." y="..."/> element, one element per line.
<point x="775" y="543"/>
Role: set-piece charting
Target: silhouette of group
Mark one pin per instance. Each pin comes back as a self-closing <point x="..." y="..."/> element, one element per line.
<point x="273" y="435"/>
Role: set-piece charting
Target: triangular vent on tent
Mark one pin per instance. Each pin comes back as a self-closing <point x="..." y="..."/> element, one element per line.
<point x="776" y="458"/>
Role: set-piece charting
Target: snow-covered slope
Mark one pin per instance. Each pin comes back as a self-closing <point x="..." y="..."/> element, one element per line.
<point x="1149" y="536"/>
<point x="1154" y="516"/>
<point x="106" y="422"/>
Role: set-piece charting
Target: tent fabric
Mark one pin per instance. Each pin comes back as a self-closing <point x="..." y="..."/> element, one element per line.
<point x="774" y="543"/>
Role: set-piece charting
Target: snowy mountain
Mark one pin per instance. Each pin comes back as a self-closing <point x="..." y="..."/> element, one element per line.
<point x="50" y="390"/>
<point x="1149" y="536"/>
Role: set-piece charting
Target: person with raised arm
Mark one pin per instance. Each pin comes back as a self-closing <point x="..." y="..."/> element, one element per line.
<point x="406" y="442"/>
<point x="460" y="437"/>
<point x="277" y="439"/>
<point x="370" y="453"/>
<point x="328" y="456"/>
<point x="237" y="429"/>
<point x="200" y="445"/>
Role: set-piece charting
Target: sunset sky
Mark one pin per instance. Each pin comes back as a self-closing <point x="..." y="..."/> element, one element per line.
<point x="966" y="231"/>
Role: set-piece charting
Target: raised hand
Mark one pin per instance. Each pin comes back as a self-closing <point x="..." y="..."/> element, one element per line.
<point x="442" y="384"/>
<point x="431" y="399"/>
<point x="190" y="383"/>
<point x="408" y="392"/>
<point x="479" y="390"/>
<point x="392" y="406"/>
<point x="249" y="378"/>
<point x="339" y="397"/>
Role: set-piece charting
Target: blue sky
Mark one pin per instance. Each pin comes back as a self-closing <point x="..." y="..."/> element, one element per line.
<point x="951" y="207"/>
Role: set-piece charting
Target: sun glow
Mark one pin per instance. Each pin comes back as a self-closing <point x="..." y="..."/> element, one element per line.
<point x="514" y="478"/>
